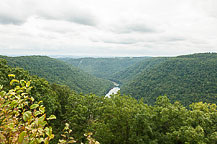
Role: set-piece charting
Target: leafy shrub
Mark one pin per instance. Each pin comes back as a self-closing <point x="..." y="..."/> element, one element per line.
<point x="22" y="120"/>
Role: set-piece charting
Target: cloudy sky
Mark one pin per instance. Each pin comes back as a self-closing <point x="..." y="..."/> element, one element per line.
<point x="108" y="27"/>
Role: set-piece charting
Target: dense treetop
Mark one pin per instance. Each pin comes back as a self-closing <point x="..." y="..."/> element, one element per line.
<point x="56" y="71"/>
<point x="190" y="78"/>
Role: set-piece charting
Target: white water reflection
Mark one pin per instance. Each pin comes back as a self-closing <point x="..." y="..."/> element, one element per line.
<point x="112" y="91"/>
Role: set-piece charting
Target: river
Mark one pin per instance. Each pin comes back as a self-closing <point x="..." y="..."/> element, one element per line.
<point x="114" y="90"/>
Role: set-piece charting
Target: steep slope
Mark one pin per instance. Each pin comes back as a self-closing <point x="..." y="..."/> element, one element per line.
<point x="103" y="67"/>
<point x="188" y="79"/>
<point x="56" y="71"/>
<point x="129" y="73"/>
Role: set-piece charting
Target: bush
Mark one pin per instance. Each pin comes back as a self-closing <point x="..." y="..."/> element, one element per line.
<point x="22" y="120"/>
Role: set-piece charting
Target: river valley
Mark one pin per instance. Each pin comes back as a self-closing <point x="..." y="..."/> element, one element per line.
<point x="113" y="90"/>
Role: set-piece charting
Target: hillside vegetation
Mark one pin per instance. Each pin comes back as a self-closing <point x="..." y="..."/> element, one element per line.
<point x="104" y="67"/>
<point x="56" y="71"/>
<point x="115" y="120"/>
<point x="190" y="78"/>
<point x="134" y="70"/>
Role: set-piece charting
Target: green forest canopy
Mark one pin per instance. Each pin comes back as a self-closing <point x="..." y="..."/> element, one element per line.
<point x="188" y="79"/>
<point x="104" y="67"/>
<point x="56" y="71"/>
<point x="119" y="119"/>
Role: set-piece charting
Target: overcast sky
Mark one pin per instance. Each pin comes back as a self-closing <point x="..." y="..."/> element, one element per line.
<point x="108" y="27"/>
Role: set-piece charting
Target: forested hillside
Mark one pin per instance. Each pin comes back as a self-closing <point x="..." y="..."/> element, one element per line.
<point x="129" y="73"/>
<point x="56" y="71"/>
<point x="190" y="78"/>
<point x="104" y="67"/>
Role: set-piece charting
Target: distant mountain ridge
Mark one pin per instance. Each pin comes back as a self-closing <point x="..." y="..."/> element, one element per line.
<point x="57" y="71"/>
<point x="103" y="67"/>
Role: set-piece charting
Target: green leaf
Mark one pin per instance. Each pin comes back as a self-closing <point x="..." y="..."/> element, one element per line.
<point x="32" y="99"/>
<point x="23" y="94"/>
<point x="48" y="131"/>
<point x="40" y="140"/>
<point x="41" y="109"/>
<point x="41" y="120"/>
<point x="40" y="102"/>
<point x="21" y="137"/>
<point x="37" y="113"/>
<point x="51" y="117"/>
<point x="46" y="141"/>
<point x="19" y="91"/>
<point x="44" y="123"/>
<point x="14" y="103"/>
<point x="2" y="93"/>
<point x="14" y="81"/>
<point x="28" y="84"/>
<point x="72" y="141"/>
<point x="34" y="106"/>
<point x="62" y="141"/>
<point x="11" y="75"/>
<point x="28" y="89"/>
<point x="1" y="87"/>
<point x="27" y="115"/>
<point x="22" y="82"/>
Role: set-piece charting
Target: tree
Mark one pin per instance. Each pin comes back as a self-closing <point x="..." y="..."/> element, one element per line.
<point x="22" y="120"/>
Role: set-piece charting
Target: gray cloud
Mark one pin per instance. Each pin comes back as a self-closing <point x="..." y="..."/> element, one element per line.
<point x="75" y="17"/>
<point x="175" y="39"/>
<point x="126" y="41"/>
<point x="85" y="19"/>
<point x="139" y="28"/>
<point x="101" y="27"/>
<point x="5" y="19"/>
<point x="18" y="12"/>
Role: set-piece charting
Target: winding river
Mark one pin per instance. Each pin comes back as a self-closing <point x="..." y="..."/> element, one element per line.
<point x="113" y="90"/>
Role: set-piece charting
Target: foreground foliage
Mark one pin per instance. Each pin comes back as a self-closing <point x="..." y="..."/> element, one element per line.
<point x="122" y="119"/>
<point x="22" y="120"/>
<point x="119" y="119"/>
